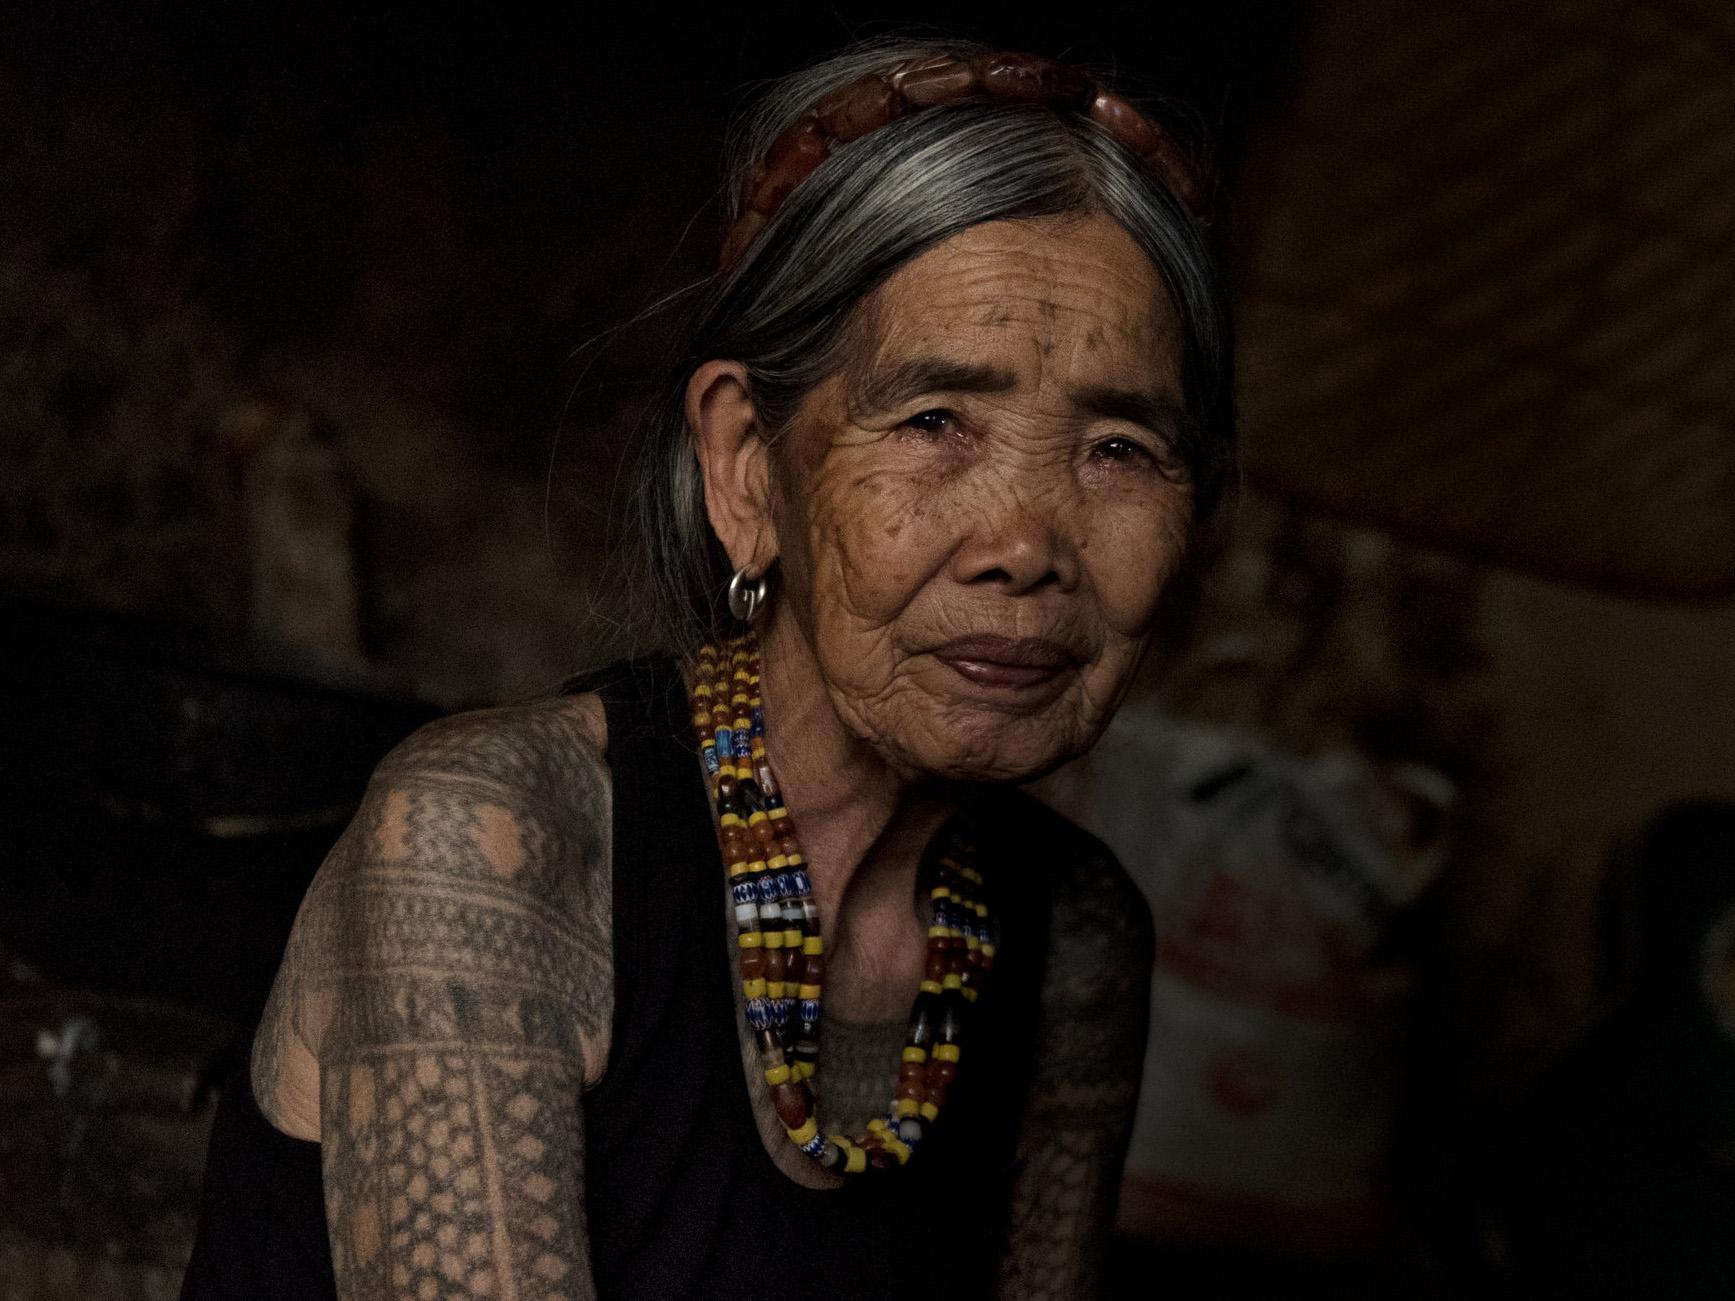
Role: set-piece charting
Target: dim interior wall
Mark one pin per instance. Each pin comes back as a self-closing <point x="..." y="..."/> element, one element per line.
<point x="1607" y="711"/>
<point x="327" y="363"/>
<point x="1564" y="717"/>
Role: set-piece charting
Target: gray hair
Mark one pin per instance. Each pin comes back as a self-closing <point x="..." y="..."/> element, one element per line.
<point x="782" y="310"/>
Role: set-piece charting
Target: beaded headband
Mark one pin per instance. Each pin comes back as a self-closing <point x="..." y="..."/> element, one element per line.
<point x="869" y="102"/>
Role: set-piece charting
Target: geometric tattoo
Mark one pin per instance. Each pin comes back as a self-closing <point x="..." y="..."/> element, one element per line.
<point x="1091" y="1030"/>
<point x="446" y="997"/>
<point x="448" y="977"/>
<point x="450" y="1179"/>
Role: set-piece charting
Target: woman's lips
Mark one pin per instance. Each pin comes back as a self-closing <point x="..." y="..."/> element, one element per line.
<point x="1005" y="662"/>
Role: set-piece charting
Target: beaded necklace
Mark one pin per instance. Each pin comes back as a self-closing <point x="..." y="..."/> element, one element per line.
<point x="782" y="954"/>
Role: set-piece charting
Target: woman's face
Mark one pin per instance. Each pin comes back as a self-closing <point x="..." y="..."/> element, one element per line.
<point x="975" y="516"/>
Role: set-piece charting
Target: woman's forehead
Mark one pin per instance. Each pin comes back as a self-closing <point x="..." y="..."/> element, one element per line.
<point x="1069" y="295"/>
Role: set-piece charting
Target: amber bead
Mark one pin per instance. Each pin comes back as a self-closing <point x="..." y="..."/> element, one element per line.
<point x="1125" y="123"/>
<point x="752" y="964"/>
<point x="813" y="970"/>
<point x="913" y="1072"/>
<point x="934" y="81"/>
<point x="776" y="964"/>
<point x="791" y="1103"/>
<point x="1172" y="165"/>
<point x="1031" y="78"/>
<point x="1147" y="142"/>
<point x="767" y="783"/>
<point x="941" y="1073"/>
<point x="938" y="966"/>
<point x="790" y="160"/>
<point x="915" y="1089"/>
<point x="851" y="111"/>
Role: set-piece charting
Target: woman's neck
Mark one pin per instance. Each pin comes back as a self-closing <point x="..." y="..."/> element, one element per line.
<point x="863" y="826"/>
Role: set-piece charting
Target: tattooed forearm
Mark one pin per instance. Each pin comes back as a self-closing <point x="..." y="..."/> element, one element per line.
<point x="454" y="1175"/>
<point x="449" y="977"/>
<point x="1072" y="1143"/>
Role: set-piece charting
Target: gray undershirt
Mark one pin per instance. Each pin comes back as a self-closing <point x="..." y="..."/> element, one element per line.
<point x="858" y="1071"/>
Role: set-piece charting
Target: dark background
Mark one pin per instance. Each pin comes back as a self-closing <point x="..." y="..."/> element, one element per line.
<point x="321" y="331"/>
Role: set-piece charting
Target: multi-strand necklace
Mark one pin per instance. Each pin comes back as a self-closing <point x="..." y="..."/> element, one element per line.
<point x="782" y="953"/>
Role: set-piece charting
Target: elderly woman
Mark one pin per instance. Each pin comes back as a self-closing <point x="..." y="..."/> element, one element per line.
<point x="748" y="970"/>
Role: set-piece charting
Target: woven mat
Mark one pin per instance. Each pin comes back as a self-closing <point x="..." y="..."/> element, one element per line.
<point x="1489" y="298"/>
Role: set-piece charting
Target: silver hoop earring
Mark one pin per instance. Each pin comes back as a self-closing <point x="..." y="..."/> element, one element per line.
<point x="746" y="596"/>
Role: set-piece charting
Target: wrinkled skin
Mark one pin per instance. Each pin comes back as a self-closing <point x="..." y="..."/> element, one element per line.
<point x="1023" y="512"/>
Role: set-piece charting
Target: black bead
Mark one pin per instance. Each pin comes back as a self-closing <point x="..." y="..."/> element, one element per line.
<point x="951" y="1027"/>
<point x="924" y="1019"/>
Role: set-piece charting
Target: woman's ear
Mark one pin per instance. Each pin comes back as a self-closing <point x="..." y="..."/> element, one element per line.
<point x="734" y="461"/>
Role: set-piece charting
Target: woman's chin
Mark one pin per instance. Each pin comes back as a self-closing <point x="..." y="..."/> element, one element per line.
<point x="950" y="727"/>
<point x="992" y="748"/>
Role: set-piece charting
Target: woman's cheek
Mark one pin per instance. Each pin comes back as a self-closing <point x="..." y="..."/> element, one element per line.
<point x="875" y="546"/>
<point x="1132" y="551"/>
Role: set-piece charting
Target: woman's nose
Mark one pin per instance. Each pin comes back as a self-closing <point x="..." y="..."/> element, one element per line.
<point x="1021" y="547"/>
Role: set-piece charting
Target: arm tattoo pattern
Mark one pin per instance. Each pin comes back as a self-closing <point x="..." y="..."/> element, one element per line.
<point x="440" y="1179"/>
<point x="1090" y="1055"/>
<point x="450" y="973"/>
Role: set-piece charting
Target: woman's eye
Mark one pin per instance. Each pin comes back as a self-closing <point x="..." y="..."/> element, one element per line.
<point x="932" y="423"/>
<point x="1121" y="449"/>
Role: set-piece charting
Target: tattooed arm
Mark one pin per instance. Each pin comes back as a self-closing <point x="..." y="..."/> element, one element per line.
<point x="448" y="981"/>
<point x="1091" y="1046"/>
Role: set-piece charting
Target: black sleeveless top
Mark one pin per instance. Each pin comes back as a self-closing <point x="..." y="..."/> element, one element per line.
<point x="681" y="1198"/>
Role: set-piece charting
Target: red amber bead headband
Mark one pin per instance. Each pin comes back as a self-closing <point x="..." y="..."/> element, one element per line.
<point x="873" y="100"/>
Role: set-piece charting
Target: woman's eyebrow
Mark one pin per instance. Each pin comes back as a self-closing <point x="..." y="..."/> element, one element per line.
<point x="898" y="383"/>
<point x="890" y="388"/>
<point x="1157" y="412"/>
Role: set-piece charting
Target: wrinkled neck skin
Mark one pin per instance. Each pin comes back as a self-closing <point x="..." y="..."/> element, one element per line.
<point x="863" y="828"/>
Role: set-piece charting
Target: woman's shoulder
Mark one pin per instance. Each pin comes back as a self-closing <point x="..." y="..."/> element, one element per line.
<point x="521" y="746"/>
<point x="479" y="858"/>
<point x="516" y="796"/>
